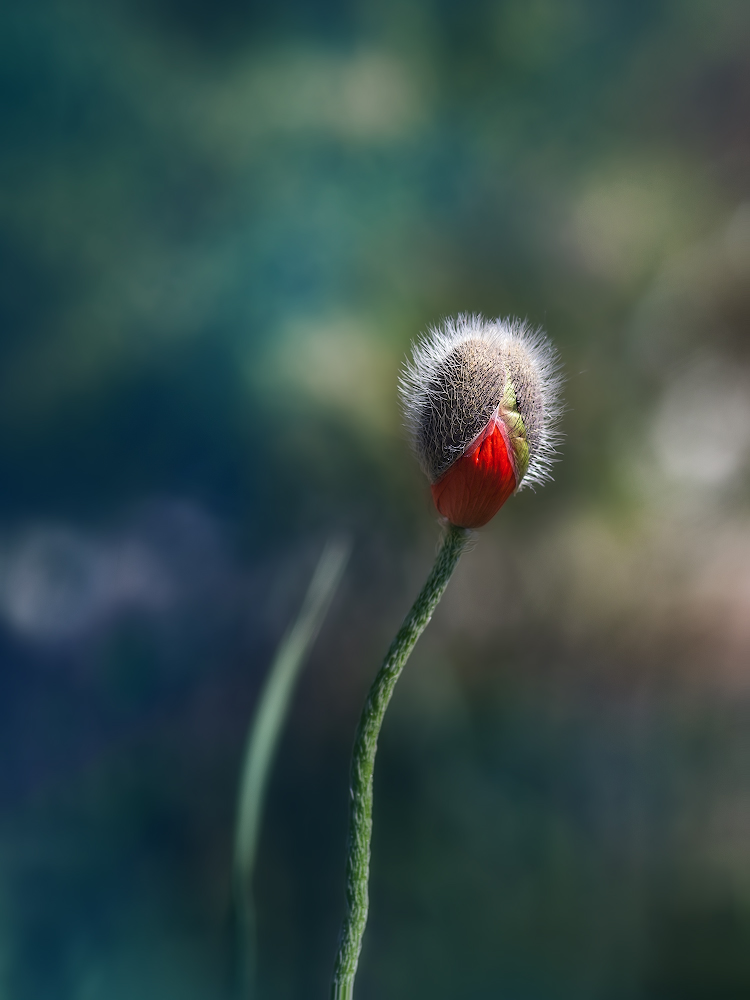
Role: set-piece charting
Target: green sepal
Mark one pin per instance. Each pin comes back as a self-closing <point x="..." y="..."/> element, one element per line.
<point x="516" y="431"/>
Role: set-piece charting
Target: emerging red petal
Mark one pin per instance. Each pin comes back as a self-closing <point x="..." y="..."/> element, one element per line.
<point x="476" y="486"/>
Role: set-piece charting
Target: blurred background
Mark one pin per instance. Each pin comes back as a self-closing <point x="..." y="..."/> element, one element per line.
<point x="221" y="225"/>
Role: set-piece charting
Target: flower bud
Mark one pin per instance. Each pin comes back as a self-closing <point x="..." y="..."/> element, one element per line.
<point x="481" y="400"/>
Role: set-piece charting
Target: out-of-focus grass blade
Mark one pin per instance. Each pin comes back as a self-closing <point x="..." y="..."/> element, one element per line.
<point x="265" y="731"/>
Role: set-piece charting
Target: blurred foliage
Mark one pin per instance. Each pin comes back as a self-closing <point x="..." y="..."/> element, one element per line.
<point x="221" y="224"/>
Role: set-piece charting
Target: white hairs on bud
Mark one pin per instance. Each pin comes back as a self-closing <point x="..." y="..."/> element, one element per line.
<point x="455" y="382"/>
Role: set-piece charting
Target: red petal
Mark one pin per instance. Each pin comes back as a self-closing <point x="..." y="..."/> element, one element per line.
<point x="475" y="487"/>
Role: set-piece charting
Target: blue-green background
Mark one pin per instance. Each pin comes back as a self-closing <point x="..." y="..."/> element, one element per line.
<point x="221" y="224"/>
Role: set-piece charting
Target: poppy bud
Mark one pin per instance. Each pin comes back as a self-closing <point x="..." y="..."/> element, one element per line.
<point x="481" y="401"/>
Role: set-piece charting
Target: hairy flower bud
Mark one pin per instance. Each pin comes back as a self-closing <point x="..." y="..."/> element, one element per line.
<point x="481" y="400"/>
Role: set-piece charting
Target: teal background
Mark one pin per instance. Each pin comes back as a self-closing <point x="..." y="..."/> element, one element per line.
<point x="221" y="225"/>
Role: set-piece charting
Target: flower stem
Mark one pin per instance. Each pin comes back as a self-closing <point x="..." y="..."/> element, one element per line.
<point x="363" y="761"/>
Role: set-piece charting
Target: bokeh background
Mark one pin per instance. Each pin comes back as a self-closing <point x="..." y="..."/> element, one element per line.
<point x="221" y="224"/>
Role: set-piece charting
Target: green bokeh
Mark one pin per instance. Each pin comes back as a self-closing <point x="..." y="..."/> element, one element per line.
<point x="221" y="225"/>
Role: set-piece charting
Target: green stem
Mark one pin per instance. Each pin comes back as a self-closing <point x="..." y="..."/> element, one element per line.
<point x="363" y="761"/>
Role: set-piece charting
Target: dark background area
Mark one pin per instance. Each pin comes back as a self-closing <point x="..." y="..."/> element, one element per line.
<point x="221" y="225"/>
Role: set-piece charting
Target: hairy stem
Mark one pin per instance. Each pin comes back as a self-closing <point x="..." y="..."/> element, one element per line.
<point x="363" y="761"/>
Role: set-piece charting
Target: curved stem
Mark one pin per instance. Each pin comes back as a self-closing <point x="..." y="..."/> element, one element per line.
<point x="363" y="761"/>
